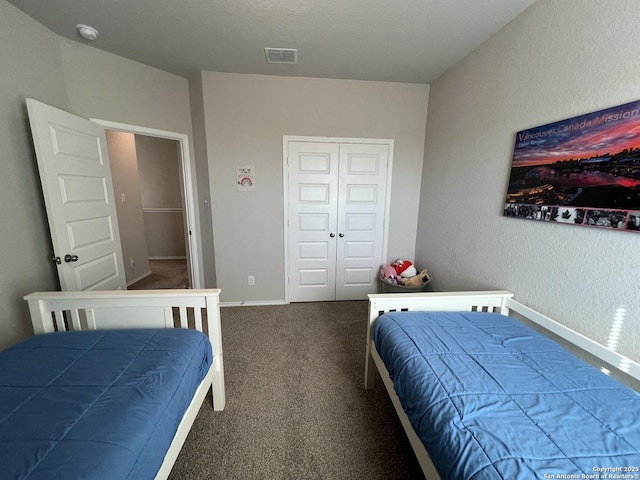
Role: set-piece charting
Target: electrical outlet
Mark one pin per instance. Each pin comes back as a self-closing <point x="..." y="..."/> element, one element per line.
<point x="132" y="263"/>
<point x="251" y="280"/>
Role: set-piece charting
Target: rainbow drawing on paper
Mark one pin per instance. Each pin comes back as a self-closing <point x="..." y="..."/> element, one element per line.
<point x="245" y="178"/>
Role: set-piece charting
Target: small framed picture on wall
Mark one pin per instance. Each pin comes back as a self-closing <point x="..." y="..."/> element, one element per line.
<point x="245" y="179"/>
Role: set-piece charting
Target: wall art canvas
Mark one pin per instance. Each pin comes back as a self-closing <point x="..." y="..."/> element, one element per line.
<point x="583" y="170"/>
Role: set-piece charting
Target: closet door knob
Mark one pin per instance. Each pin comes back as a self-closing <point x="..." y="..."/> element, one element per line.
<point x="341" y="235"/>
<point x="332" y="235"/>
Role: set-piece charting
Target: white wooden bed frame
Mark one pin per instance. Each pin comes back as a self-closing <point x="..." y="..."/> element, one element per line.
<point x="97" y="310"/>
<point x="498" y="301"/>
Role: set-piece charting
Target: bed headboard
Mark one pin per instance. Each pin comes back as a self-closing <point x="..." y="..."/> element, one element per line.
<point x="483" y="301"/>
<point x="94" y="310"/>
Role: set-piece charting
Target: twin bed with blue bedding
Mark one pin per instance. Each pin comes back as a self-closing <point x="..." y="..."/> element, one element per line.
<point x="111" y="402"/>
<point x="483" y="396"/>
<point x="97" y="404"/>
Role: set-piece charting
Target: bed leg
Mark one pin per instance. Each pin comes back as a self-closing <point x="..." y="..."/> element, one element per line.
<point x="369" y="372"/>
<point x="217" y="390"/>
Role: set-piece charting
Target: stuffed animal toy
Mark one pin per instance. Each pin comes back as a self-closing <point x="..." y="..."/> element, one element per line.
<point x="404" y="268"/>
<point x="417" y="280"/>
<point x="388" y="274"/>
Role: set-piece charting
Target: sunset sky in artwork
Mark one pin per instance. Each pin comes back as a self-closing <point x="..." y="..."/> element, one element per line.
<point x="590" y="135"/>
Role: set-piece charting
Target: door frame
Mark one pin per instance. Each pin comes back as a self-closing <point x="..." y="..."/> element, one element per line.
<point x="285" y="181"/>
<point x="192" y="227"/>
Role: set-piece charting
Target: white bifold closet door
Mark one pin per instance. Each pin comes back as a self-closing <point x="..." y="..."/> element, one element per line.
<point x="337" y="202"/>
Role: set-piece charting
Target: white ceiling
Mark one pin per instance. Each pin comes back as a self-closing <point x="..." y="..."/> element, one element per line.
<point x="386" y="40"/>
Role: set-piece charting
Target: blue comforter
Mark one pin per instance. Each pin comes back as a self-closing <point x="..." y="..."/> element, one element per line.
<point x="97" y="404"/>
<point x="491" y="398"/>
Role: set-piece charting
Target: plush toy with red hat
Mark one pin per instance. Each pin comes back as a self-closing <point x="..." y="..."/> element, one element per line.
<point x="404" y="268"/>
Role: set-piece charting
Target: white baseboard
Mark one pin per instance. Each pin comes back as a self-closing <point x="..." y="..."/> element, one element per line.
<point x="252" y="303"/>
<point x="137" y="279"/>
<point x="168" y="258"/>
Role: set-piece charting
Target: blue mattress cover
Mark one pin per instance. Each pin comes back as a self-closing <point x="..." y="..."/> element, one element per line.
<point x="96" y="404"/>
<point x="491" y="398"/>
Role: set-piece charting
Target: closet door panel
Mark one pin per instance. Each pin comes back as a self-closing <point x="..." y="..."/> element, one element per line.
<point x="361" y="209"/>
<point x="313" y="199"/>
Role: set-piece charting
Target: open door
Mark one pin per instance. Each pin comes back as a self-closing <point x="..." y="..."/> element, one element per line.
<point x="76" y="182"/>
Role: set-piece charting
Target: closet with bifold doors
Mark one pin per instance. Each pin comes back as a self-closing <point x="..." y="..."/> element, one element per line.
<point x="336" y="204"/>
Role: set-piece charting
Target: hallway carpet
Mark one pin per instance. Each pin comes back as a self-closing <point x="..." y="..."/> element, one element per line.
<point x="164" y="274"/>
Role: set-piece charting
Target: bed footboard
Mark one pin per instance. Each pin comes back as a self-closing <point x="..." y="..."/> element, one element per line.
<point x="96" y="310"/>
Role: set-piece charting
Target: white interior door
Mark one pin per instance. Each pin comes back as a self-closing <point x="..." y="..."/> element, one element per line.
<point x="361" y="217"/>
<point x="76" y="182"/>
<point x="313" y="201"/>
<point x="337" y="195"/>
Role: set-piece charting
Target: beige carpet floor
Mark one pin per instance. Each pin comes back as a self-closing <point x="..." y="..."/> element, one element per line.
<point x="296" y="405"/>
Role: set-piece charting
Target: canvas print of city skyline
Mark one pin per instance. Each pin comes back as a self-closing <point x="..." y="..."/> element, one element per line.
<point x="583" y="170"/>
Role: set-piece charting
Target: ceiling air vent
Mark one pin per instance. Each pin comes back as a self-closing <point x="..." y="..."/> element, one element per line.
<point x="281" y="55"/>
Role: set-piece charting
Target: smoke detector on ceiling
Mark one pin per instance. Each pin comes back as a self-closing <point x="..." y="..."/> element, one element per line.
<point x="281" y="55"/>
<point x="87" y="32"/>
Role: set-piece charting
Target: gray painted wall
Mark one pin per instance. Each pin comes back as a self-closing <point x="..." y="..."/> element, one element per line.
<point x="556" y="60"/>
<point x="202" y="175"/>
<point x="161" y="191"/>
<point x="31" y="67"/>
<point x="246" y="117"/>
<point x="160" y="183"/>
<point x="126" y="180"/>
